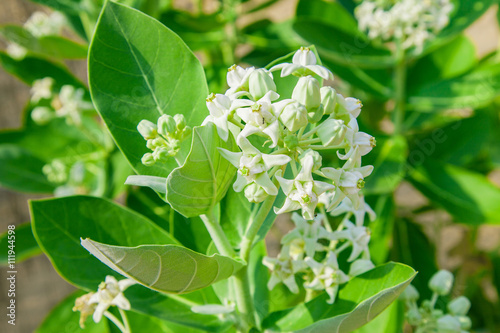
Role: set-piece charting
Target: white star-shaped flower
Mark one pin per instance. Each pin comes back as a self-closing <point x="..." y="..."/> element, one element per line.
<point x="41" y="89"/>
<point x="237" y="80"/>
<point x="346" y="206"/>
<point x="220" y="108"/>
<point x="304" y="238"/>
<point x="303" y="64"/>
<point x="358" y="236"/>
<point x="110" y="293"/>
<point x="283" y="270"/>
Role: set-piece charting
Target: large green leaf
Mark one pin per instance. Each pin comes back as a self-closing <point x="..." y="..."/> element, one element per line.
<point x="470" y="197"/>
<point x="47" y="46"/>
<point x="388" y="159"/>
<point x="166" y="268"/>
<point x="474" y="89"/>
<point x="196" y="187"/>
<point x="63" y="319"/>
<point x="25" y="244"/>
<point x="58" y="225"/>
<point x="143" y="323"/>
<point x="139" y="69"/>
<point x="361" y="300"/>
<point x="235" y="212"/>
<point x="389" y="321"/>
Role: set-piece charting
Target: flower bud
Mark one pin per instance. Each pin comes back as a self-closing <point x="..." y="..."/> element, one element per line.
<point x="161" y="154"/>
<point x="255" y="193"/>
<point x="328" y="99"/>
<point x="459" y="306"/>
<point x="332" y="132"/>
<point x="166" y="125"/>
<point x="294" y="116"/>
<point x="147" y="129"/>
<point x="307" y="92"/>
<point x="448" y="324"/>
<point x="360" y="266"/>
<point x="180" y="121"/>
<point x="465" y="322"/>
<point x="441" y="282"/>
<point x="414" y="317"/>
<point x="317" y="159"/>
<point x="148" y="159"/>
<point x="410" y="294"/>
<point x="42" y="115"/>
<point x="261" y="82"/>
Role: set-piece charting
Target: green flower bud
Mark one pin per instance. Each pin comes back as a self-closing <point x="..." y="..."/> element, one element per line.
<point x="448" y="324"/>
<point x="441" y="282"/>
<point x="148" y="159"/>
<point x="260" y="83"/>
<point x="147" y="129"/>
<point x="316" y="114"/>
<point x="161" y="154"/>
<point x="307" y="92"/>
<point x="414" y="317"/>
<point x="332" y="132"/>
<point x="294" y="116"/>
<point x="42" y="115"/>
<point x="410" y="294"/>
<point x="255" y="193"/>
<point x="180" y="121"/>
<point x="465" y="322"/>
<point x="167" y="125"/>
<point x="459" y="306"/>
<point x="328" y="99"/>
<point x="56" y="171"/>
<point x="317" y="159"/>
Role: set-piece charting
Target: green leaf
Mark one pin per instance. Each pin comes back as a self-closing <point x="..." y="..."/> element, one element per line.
<point x="196" y="187"/>
<point x="32" y="68"/>
<point x="25" y="244"/>
<point x="236" y="211"/>
<point x="45" y="46"/>
<point x="360" y="301"/>
<point x="470" y="197"/>
<point x="389" y="321"/>
<point x="139" y="69"/>
<point x="63" y="319"/>
<point x="388" y="160"/>
<point x="165" y="268"/>
<point x="474" y="89"/>
<point x="20" y="170"/>
<point x="335" y="33"/>
<point x="58" y="225"/>
<point x="143" y="323"/>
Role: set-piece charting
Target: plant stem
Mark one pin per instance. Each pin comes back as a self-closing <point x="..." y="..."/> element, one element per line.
<point x="116" y="321"/>
<point x="218" y="236"/>
<point x="125" y="320"/>
<point x="400" y="90"/>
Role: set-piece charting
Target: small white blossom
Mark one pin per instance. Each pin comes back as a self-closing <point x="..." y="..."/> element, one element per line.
<point x="40" y="24"/>
<point x="364" y="143"/>
<point x="110" y="293"/>
<point x="303" y="191"/>
<point x="283" y="270"/>
<point x="358" y="236"/>
<point x="86" y="308"/>
<point x="253" y="166"/>
<point x="346" y="206"/>
<point x="16" y="51"/>
<point x="220" y="109"/>
<point x="327" y="276"/>
<point x="72" y="103"/>
<point x="303" y="64"/>
<point x="237" y="80"/>
<point x="304" y="238"/>
<point x="41" y="89"/>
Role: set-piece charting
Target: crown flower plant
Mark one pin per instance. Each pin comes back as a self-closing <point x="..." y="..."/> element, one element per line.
<point x="220" y="170"/>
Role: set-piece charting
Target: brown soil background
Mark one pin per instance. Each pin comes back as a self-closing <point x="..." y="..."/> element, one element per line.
<point x="39" y="287"/>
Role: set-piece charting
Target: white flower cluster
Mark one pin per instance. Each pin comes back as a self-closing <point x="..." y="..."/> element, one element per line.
<point x="39" y="24"/>
<point x="410" y="21"/>
<point x="313" y="119"/>
<point x="427" y="318"/>
<point x="68" y="103"/>
<point x="110" y="293"/>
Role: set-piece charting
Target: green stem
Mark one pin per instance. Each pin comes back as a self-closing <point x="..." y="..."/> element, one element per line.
<point x="125" y="320"/>
<point x="400" y="91"/>
<point x="308" y="142"/>
<point x="218" y="236"/>
<point x="116" y="321"/>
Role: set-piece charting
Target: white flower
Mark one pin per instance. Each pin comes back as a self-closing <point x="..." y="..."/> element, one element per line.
<point x="304" y="238"/>
<point x="351" y="106"/>
<point x="360" y="140"/>
<point x="260" y="116"/>
<point x="110" y="293"/>
<point x="71" y="103"/>
<point x="220" y="109"/>
<point x="16" y="51"/>
<point x="253" y="166"/>
<point x="86" y="308"/>
<point x="41" y="89"/>
<point x="358" y="236"/>
<point x="303" y="64"/>
<point x="349" y="180"/>
<point x="260" y="82"/>
<point x="303" y="191"/>
<point x="327" y="276"/>
<point x="237" y="80"/>
<point x="283" y="270"/>
<point x="40" y="24"/>
<point x="346" y="206"/>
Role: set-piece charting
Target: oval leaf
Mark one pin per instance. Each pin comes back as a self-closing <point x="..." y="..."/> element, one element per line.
<point x="166" y="268"/>
<point x="361" y="300"/>
<point x="203" y="180"/>
<point x="139" y="69"/>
